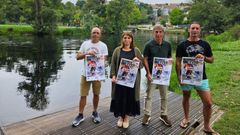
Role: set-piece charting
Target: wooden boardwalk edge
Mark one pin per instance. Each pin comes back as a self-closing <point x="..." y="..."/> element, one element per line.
<point x="60" y="122"/>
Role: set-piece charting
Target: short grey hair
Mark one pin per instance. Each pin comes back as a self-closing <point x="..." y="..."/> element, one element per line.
<point x="157" y="26"/>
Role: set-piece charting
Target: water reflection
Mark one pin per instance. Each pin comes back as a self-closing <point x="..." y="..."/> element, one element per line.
<point x="45" y="74"/>
<point x="39" y="62"/>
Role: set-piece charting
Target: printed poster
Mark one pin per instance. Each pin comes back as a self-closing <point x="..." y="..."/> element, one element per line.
<point x="95" y="67"/>
<point x="161" y="70"/>
<point x="191" y="70"/>
<point x="127" y="72"/>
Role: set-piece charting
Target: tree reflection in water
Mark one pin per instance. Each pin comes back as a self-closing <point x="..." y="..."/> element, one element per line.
<point x="39" y="62"/>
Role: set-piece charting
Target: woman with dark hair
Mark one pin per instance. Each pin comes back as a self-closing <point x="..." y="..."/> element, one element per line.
<point x="125" y="100"/>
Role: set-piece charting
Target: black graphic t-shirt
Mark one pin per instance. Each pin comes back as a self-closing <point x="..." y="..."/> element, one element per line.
<point x="191" y="49"/>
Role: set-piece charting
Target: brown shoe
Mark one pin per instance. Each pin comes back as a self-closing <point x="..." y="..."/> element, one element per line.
<point x="165" y="120"/>
<point x="146" y="119"/>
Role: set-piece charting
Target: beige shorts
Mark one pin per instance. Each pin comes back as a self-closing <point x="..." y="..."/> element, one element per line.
<point x="85" y="86"/>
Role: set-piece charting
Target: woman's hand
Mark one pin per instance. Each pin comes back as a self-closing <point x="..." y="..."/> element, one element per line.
<point x="136" y="59"/>
<point x="114" y="79"/>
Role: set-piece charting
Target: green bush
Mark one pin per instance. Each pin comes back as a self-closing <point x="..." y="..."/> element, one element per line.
<point x="235" y="32"/>
<point x="232" y="34"/>
<point x="224" y="37"/>
<point x="67" y="32"/>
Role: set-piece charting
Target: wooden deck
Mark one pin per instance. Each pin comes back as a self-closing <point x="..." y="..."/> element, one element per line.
<point x="60" y="123"/>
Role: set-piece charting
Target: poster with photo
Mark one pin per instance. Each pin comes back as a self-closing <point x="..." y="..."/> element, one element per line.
<point x="127" y="72"/>
<point x="95" y="67"/>
<point x="161" y="70"/>
<point x="191" y="70"/>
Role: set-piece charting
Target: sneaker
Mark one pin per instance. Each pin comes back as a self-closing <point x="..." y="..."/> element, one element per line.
<point x="96" y="118"/>
<point x="146" y="119"/>
<point x="79" y="119"/>
<point x="165" y="120"/>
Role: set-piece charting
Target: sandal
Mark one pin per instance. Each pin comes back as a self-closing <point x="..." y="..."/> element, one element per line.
<point x="184" y="123"/>
<point x="210" y="132"/>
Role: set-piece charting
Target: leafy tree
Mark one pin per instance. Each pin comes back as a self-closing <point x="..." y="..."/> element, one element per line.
<point x="234" y="8"/>
<point x="68" y="13"/>
<point x="119" y="15"/>
<point x="13" y="11"/>
<point x="176" y="16"/>
<point x="94" y="14"/>
<point x="27" y="7"/>
<point x="164" y="20"/>
<point x="146" y="13"/>
<point x="45" y="19"/>
<point x="211" y="14"/>
<point x="136" y="15"/>
<point x="159" y="12"/>
<point x="2" y="13"/>
<point x="80" y="3"/>
<point x="76" y="18"/>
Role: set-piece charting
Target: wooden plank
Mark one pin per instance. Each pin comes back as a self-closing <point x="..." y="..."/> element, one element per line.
<point x="60" y="123"/>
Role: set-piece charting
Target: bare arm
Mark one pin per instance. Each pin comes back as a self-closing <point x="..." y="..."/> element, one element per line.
<point x="80" y="55"/>
<point x="209" y="59"/>
<point x="178" y="68"/>
<point x="149" y="76"/>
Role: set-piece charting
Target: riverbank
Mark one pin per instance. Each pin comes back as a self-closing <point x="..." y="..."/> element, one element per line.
<point x="67" y="31"/>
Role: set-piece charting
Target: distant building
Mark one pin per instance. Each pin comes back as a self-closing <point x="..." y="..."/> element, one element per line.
<point x="136" y="1"/>
<point x="167" y="8"/>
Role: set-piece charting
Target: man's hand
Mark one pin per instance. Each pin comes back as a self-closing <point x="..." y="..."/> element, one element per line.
<point x="179" y="81"/>
<point x="149" y="76"/>
<point x="91" y="52"/>
<point x="200" y="56"/>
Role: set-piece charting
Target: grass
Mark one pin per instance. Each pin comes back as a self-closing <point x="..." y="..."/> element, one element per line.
<point x="224" y="81"/>
<point x="224" y="77"/>
<point x="16" y="29"/>
<point x="8" y="29"/>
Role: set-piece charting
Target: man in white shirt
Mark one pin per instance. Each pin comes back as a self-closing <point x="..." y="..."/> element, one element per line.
<point x="90" y="47"/>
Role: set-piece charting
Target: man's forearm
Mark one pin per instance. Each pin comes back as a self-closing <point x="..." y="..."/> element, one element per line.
<point x="178" y="68"/>
<point x="146" y="66"/>
<point x="80" y="55"/>
<point x="209" y="59"/>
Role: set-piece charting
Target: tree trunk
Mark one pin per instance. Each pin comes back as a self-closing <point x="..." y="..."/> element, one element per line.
<point x="38" y="16"/>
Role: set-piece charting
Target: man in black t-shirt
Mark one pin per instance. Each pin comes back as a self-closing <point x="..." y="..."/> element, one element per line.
<point x="195" y="47"/>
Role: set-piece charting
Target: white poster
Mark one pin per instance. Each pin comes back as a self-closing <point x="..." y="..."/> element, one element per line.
<point x="191" y="70"/>
<point x="95" y="67"/>
<point x="127" y="72"/>
<point x="161" y="70"/>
